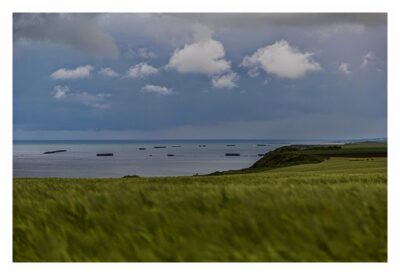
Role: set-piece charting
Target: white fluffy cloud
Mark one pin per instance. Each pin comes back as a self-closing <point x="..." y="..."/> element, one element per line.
<point x="282" y="60"/>
<point x="141" y="70"/>
<point x="160" y="90"/>
<point x="344" y="68"/>
<point x="97" y="101"/>
<point x="367" y="59"/>
<point x="108" y="72"/>
<point x="204" y="56"/>
<point x="225" y="81"/>
<point x="79" y="72"/>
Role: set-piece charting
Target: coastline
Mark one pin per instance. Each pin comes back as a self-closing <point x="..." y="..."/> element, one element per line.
<point x="155" y="159"/>
<point x="335" y="210"/>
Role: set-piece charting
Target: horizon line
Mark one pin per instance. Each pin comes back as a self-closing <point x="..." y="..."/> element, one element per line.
<point x="150" y="139"/>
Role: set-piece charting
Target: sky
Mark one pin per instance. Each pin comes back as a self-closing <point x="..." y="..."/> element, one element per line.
<point x="195" y="76"/>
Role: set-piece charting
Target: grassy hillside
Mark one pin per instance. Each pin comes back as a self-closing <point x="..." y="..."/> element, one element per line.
<point x="305" y="154"/>
<point x="335" y="210"/>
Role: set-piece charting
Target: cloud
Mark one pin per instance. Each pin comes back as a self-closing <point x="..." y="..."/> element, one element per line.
<point x="142" y="53"/>
<point x="141" y="70"/>
<point x="108" y="72"/>
<point x="159" y="27"/>
<point x="60" y="92"/>
<point x="90" y="32"/>
<point x="333" y="31"/>
<point x="282" y="60"/>
<point x="97" y="101"/>
<point x="145" y="53"/>
<point x="368" y="58"/>
<point x="344" y="68"/>
<point x="253" y="72"/>
<point x="160" y="90"/>
<point x="94" y="101"/>
<point x="201" y="33"/>
<point x="78" y="31"/>
<point x="311" y="126"/>
<point x="176" y="28"/>
<point x="281" y="19"/>
<point x="225" y="81"/>
<point x="204" y="56"/>
<point x="79" y="72"/>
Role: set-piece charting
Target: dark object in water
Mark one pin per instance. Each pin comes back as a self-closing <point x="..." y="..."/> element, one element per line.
<point x="202" y="145"/>
<point x="150" y="155"/>
<point x="158" y="147"/>
<point x="261" y="155"/>
<point x="230" y="145"/>
<point x="56" y="151"/>
<point x="232" y="154"/>
<point x="142" y="148"/>
<point x="105" y="155"/>
<point x="130" y="176"/>
<point x="170" y="155"/>
<point x="261" y="144"/>
<point x="176" y="146"/>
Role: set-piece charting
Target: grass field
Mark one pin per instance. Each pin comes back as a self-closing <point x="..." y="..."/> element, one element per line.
<point x="335" y="210"/>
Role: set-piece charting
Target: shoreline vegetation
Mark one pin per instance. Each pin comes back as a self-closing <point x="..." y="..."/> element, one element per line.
<point x="298" y="203"/>
<point x="290" y="155"/>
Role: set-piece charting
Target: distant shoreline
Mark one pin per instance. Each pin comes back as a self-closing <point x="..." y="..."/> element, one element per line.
<point x="366" y="149"/>
<point x="272" y="141"/>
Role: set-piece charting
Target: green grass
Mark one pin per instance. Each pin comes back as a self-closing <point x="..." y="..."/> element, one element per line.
<point x="335" y="210"/>
<point x="364" y="145"/>
<point x="291" y="155"/>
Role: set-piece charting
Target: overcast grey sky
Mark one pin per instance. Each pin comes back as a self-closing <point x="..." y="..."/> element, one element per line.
<point x="141" y="76"/>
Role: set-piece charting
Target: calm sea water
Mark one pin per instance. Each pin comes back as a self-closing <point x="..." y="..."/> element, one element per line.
<point x="190" y="157"/>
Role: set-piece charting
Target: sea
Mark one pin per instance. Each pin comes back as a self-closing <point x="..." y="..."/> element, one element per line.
<point x="158" y="158"/>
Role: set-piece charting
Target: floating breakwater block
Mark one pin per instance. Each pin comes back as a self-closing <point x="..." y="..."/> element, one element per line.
<point x="56" y="151"/>
<point x="105" y="155"/>
<point x="232" y="154"/>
